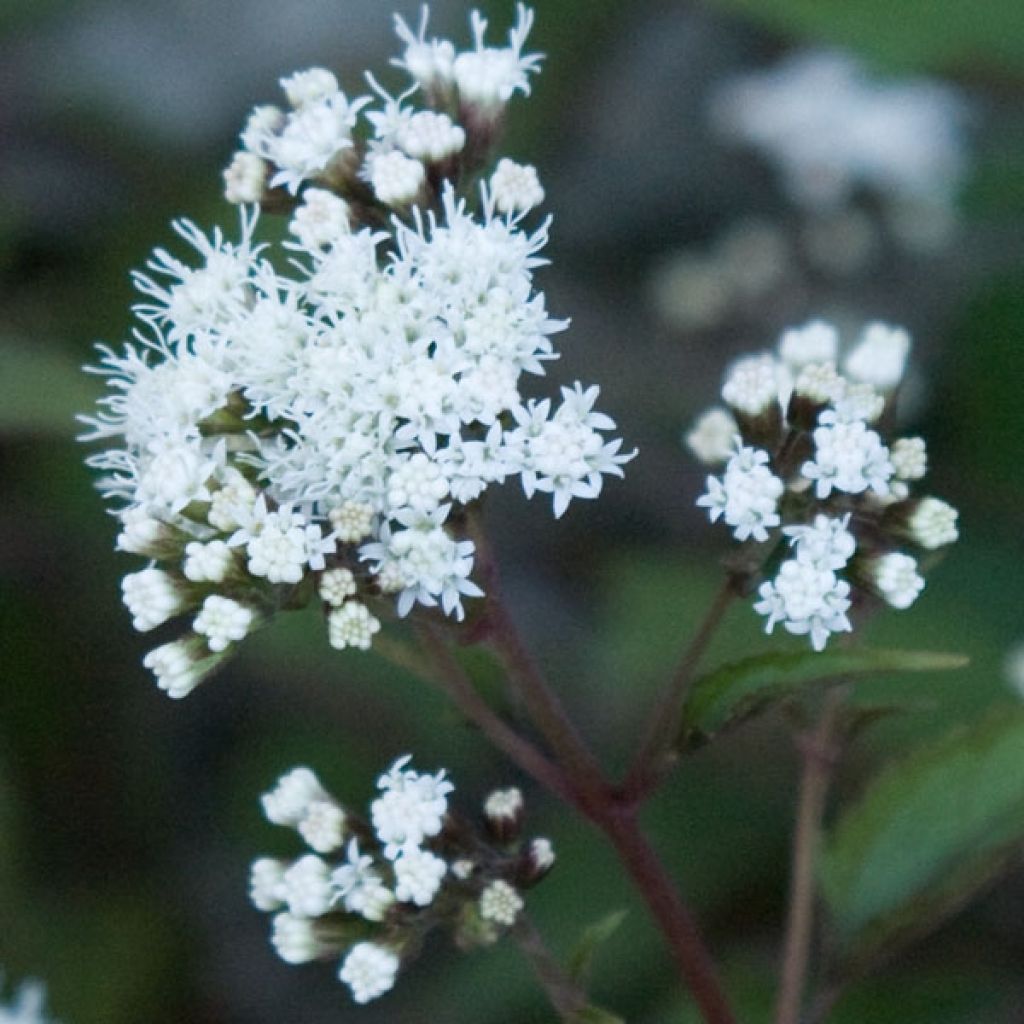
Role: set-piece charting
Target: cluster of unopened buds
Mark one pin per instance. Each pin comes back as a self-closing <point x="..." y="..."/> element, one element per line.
<point x="373" y="887"/>
<point x="822" y="501"/>
<point x="322" y="419"/>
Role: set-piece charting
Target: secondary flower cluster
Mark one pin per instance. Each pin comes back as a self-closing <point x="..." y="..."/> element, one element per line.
<point x="409" y="868"/>
<point x="830" y="128"/>
<point x="318" y="417"/>
<point x="811" y="483"/>
<point x="27" y="1005"/>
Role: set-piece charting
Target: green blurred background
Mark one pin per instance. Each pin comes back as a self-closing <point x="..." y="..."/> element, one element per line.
<point x="127" y="822"/>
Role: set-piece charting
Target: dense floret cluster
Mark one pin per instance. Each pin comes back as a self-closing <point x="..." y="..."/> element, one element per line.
<point x="809" y="480"/>
<point x="374" y="886"/>
<point x="320" y="417"/>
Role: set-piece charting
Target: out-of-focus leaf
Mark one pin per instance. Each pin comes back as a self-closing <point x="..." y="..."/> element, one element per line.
<point x="593" y="937"/>
<point x="913" y="34"/>
<point x="925" y="836"/>
<point x="740" y="689"/>
<point x="41" y="390"/>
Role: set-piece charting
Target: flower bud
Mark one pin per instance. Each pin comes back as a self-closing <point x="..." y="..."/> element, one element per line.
<point x="503" y="810"/>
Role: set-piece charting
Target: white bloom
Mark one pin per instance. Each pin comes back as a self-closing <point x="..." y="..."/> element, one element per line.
<point x="352" y="625"/>
<point x="515" y="188"/>
<point x="230" y="502"/>
<point x="336" y="585"/>
<point x="417" y="483"/>
<point x="369" y="970"/>
<point x="428" y="61"/>
<point x="152" y="596"/>
<point x="504" y="803"/>
<point x="223" y="621"/>
<point x="418" y="876"/>
<point x="752" y="385"/>
<point x="307" y="887"/>
<point x="713" y="437"/>
<point x="848" y="457"/>
<point x="244" y="178"/>
<point x="852" y="402"/>
<point x="818" y="382"/>
<point x="816" y="342"/>
<point x="806" y="600"/>
<point x="266" y="883"/>
<point x="360" y="887"/>
<point x="262" y="126"/>
<point x="880" y="357"/>
<point x="352" y="521"/>
<point x="430" y="136"/>
<point x="305" y="87"/>
<point x="909" y="458"/>
<point x="295" y="939"/>
<point x="746" y="496"/>
<point x="289" y="801"/>
<point x="542" y="855"/>
<point x="141" y="534"/>
<point x="207" y="563"/>
<point x="825" y="544"/>
<point x="176" y="668"/>
<point x="320" y="219"/>
<point x="411" y="808"/>
<point x="487" y="76"/>
<point x="323" y="826"/>
<point x="281" y="544"/>
<point x="500" y="903"/>
<point x="896" y="578"/>
<point x="396" y="179"/>
<point x="932" y="524"/>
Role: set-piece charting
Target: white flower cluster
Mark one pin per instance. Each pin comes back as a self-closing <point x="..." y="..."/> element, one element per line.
<point x="830" y="128"/>
<point x="278" y="422"/>
<point x="808" y="473"/>
<point x="27" y="1004"/>
<point x="386" y="876"/>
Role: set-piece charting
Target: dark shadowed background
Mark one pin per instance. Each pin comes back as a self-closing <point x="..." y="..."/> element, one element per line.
<point x="127" y="821"/>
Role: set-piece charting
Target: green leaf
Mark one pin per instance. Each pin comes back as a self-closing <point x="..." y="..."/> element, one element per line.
<point x="593" y="937"/>
<point x="740" y="689"/>
<point x="927" y="834"/>
<point x="595" y="1015"/>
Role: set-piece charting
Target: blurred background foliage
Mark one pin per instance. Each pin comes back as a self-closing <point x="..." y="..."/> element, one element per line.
<point x="127" y="822"/>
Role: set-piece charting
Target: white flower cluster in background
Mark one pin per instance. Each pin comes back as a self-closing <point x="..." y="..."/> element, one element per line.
<point x="830" y="128"/>
<point x="373" y="884"/>
<point x="810" y="478"/>
<point x="27" y="1004"/>
<point x="316" y="418"/>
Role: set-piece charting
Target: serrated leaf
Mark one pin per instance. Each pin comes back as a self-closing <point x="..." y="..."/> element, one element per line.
<point x="593" y="937"/>
<point x="925" y="836"/>
<point x="740" y="689"/>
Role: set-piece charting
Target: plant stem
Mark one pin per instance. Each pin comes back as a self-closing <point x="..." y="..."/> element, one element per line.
<point x="818" y="759"/>
<point x="667" y="907"/>
<point x="455" y="682"/>
<point x="654" y="755"/>
<point x="563" y="993"/>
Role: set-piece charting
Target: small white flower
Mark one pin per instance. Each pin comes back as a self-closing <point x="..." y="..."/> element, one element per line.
<point x="411" y="807"/>
<point x="352" y="625"/>
<point x="825" y="544"/>
<point x="207" y="563"/>
<point x="305" y="87"/>
<point x="352" y="521"/>
<point x="289" y="801"/>
<point x="176" y="668"/>
<point x="141" y="534"/>
<point x="713" y="437"/>
<point x="323" y="826"/>
<point x="752" y="385"/>
<point x="880" y="357"/>
<point x="818" y="382"/>
<point x="515" y="188"/>
<point x="806" y="600"/>
<point x="430" y="137"/>
<point x="428" y="61"/>
<point x="230" y="502"/>
<point x="816" y="342"/>
<point x="244" y="178"/>
<point x="848" y="457"/>
<point x="295" y="939"/>
<point x="896" y="578"/>
<point x="223" y="621"/>
<point x="504" y="803"/>
<point x="932" y="524"/>
<point x="396" y="179"/>
<point x="152" y="596"/>
<point x="307" y="887"/>
<point x="369" y="970"/>
<point x="746" y="496"/>
<point x="320" y="219"/>
<point x="360" y="887"/>
<point x="266" y="883"/>
<point x="500" y="903"/>
<point x="418" y="876"/>
<point x="542" y="855"/>
<point x="909" y="458"/>
<point x="487" y="77"/>
<point x="336" y="585"/>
